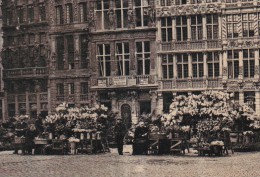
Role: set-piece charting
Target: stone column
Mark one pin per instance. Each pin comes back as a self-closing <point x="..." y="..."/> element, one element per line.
<point x="38" y="102"/>
<point x="50" y="96"/>
<point x="153" y="98"/>
<point x="16" y="104"/>
<point x="257" y="101"/>
<point x="220" y="26"/>
<point x="205" y="66"/>
<point x="175" y="71"/>
<point x="220" y="64"/>
<point x="190" y="64"/>
<point x="27" y="102"/>
<point x="256" y="64"/>
<point x="77" y="93"/>
<point x="134" y="112"/>
<point x="174" y="37"/>
<point x="240" y="64"/>
<point x="159" y="103"/>
<point x="241" y="97"/>
<point x="225" y="67"/>
<point x="204" y="27"/>
<point x="5" y="106"/>
<point x="189" y="27"/>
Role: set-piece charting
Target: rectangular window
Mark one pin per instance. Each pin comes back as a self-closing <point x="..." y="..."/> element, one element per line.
<point x="31" y="38"/>
<point x="42" y="12"/>
<point x="248" y="25"/>
<point x="232" y="26"/>
<point x="123" y="59"/>
<point x="69" y="13"/>
<point x="30" y="13"/>
<point x="248" y="63"/>
<point x="180" y="2"/>
<point x="212" y="26"/>
<point x="70" y="49"/>
<point x="42" y="38"/>
<point x="102" y="8"/>
<point x="213" y="64"/>
<point x="196" y="27"/>
<point x="197" y="65"/>
<point x="84" y="51"/>
<point x="167" y="66"/>
<point x="182" y="65"/>
<point x="141" y="13"/>
<point x="71" y="90"/>
<point x="84" y="88"/>
<point x="233" y="64"/>
<point x="166" y="29"/>
<point x="181" y="28"/>
<point x="59" y="15"/>
<point x="143" y="57"/>
<point x="9" y="16"/>
<point x="60" y="89"/>
<point x="165" y="2"/>
<point x="196" y="1"/>
<point x="20" y="15"/>
<point x="103" y="57"/>
<point x="249" y="99"/>
<point x="83" y="12"/>
<point x="60" y="52"/>
<point x="121" y="9"/>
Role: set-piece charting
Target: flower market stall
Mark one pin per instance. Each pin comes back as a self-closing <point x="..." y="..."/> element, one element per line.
<point x="80" y="130"/>
<point x="210" y="118"/>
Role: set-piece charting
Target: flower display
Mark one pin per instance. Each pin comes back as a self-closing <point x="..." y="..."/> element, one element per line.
<point x="76" y="119"/>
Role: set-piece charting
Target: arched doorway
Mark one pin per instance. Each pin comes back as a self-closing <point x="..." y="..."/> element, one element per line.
<point x="126" y="115"/>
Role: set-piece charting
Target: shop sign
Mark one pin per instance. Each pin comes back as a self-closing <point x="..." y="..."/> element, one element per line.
<point x="143" y="81"/>
<point x="102" y="82"/>
<point x="119" y="80"/>
<point x="131" y="82"/>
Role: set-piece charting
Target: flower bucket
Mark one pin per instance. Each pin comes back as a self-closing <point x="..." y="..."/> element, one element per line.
<point x="73" y="148"/>
<point x="82" y="136"/>
<point x="98" y="136"/>
<point x="50" y="136"/>
<point x="88" y="136"/>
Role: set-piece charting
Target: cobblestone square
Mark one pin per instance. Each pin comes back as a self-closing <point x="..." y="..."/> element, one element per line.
<point x="113" y="165"/>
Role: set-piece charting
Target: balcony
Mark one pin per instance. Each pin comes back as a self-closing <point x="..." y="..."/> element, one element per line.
<point x="25" y="72"/>
<point x="191" y="84"/>
<point x="189" y="45"/>
<point x="124" y="81"/>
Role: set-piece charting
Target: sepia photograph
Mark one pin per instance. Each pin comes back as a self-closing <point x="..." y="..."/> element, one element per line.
<point x="129" y="88"/>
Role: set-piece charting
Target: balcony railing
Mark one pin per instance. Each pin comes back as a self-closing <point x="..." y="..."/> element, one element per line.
<point x="124" y="81"/>
<point x="84" y="97"/>
<point x="192" y="83"/>
<point x="25" y="72"/>
<point x="189" y="45"/>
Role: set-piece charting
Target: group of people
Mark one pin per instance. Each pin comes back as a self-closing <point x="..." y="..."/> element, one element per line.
<point x="140" y="141"/>
<point x="29" y="131"/>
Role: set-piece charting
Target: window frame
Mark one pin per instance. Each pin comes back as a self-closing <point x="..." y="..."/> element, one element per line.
<point x="167" y="66"/>
<point x="233" y="61"/>
<point x="145" y="70"/>
<point x="104" y="60"/>
<point x="214" y="61"/>
<point x="249" y="71"/>
<point x="182" y="60"/>
<point x="125" y="59"/>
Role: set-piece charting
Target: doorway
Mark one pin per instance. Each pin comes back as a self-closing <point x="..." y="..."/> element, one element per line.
<point x="126" y="115"/>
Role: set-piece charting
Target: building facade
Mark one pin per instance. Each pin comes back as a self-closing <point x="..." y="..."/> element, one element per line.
<point x="209" y="44"/>
<point x="133" y="56"/>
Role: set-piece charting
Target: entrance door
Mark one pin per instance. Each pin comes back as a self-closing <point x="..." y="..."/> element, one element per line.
<point x="126" y="115"/>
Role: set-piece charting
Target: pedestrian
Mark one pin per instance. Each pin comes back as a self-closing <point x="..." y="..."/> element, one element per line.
<point x="120" y="131"/>
<point x="140" y="145"/>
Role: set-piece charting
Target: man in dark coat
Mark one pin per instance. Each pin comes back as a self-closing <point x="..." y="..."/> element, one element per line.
<point x="140" y="145"/>
<point x="120" y="131"/>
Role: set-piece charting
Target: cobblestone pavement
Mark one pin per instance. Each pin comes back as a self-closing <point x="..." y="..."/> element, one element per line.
<point x="113" y="165"/>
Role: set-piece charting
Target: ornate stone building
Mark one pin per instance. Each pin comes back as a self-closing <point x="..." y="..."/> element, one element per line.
<point x="209" y="44"/>
<point x="123" y="55"/>
<point x="132" y="55"/>
<point x="45" y="55"/>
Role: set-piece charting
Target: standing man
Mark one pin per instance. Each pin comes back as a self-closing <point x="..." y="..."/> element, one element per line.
<point x="119" y="131"/>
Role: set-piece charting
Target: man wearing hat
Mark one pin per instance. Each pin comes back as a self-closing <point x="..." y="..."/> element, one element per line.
<point x="120" y="131"/>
